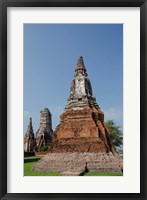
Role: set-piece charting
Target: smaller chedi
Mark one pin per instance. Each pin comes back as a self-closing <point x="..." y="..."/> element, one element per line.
<point x="45" y="133"/>
<point x="29" y="140"/>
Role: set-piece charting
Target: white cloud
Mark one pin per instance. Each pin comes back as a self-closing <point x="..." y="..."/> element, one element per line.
<point x="27" y="114"/>
<point x="114" y="114"/>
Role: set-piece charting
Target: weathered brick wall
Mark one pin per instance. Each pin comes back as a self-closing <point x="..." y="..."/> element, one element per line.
<point x="81" y="130"/>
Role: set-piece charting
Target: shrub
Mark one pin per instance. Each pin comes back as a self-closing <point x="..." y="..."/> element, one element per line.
<point x="43" y="149"/>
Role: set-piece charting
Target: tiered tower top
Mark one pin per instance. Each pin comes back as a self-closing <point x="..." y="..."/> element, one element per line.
<point x="80" y="67"/>
<point x="81" y="91"/>
<point x="30" y="132"/>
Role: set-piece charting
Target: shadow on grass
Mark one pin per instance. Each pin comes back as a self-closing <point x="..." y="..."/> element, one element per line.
<point x="31" y="160"/>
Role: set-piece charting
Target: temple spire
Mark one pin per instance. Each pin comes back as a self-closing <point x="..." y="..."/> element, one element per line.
<point x="80" y="63"/>
<point x="81" y="90"/>
<point x="29" y="140"/>
<point x="30" y="122"/>
<point x="30" y="128"/>
<point x="80" y="67"/>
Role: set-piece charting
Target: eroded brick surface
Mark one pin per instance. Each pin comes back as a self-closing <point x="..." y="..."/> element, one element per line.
<point x="76" y="162"/>
<point x="81" y="130"/>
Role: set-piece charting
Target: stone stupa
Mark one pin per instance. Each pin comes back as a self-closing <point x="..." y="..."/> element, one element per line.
<point x="45" y="133"/>
<point x="29" y="139"/>
<point x="82" y="127"/>
<point x="81" y="142"/>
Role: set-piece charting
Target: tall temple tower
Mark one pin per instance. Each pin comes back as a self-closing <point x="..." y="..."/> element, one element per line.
<point x="29" y="140"/>
<point x="81" y="127"/>
<point x="45" y="132"/>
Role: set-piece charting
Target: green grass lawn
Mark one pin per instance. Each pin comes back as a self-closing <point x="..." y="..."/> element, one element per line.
<point x="104" y="174"/>
<point x="30" y="161"/>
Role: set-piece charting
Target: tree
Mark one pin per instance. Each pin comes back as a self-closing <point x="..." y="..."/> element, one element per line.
<point x="115" y="133"/>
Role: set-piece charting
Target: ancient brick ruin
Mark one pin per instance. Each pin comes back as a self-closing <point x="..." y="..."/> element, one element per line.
<point x="73" y="164"/>
<point x="45" y="133"/>
<point x="81" y="141"/>
<point x="82" y="127"/>
<point x="29" y="139"/>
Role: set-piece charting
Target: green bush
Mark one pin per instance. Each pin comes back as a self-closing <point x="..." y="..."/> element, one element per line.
<point x="116" y="134"/>
<point x="43" y="149"/>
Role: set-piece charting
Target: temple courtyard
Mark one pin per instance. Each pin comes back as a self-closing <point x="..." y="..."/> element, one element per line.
<point x="81" y="144"/>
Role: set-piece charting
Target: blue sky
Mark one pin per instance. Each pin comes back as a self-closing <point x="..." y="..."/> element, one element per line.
<point x="50" y="55"/>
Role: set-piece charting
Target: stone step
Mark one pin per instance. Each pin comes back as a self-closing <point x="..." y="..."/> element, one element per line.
<point x="72" y="172"/>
